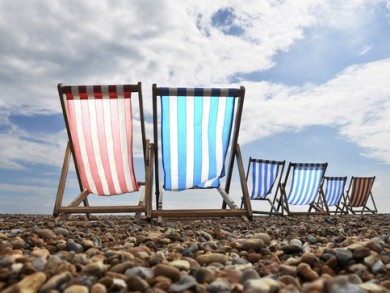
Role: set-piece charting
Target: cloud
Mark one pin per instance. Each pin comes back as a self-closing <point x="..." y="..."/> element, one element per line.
<point x="356" y="101"/>
<point x="168" y="43"/>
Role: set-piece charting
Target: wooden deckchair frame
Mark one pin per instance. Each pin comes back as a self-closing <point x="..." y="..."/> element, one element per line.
<point x="274" y="209"/>
<point x="283" y="201"/>
<point x="235" y="153"/>
<point x="364" y="207"/>
<point x="339" y="207"/>
<point x="145" y="203"/>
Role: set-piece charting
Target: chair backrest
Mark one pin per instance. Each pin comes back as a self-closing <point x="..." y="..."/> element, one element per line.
<point x="264" y="175"/>
<point x="334" y="189"/>
<point x="196" y="127"/>
<point x="306" y="182"/>
<point x="100" y="128"/>
<point x="361" y="189"/>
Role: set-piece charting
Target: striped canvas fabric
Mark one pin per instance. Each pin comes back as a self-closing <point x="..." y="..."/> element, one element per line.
<point x="334" y="189"/>
<point x="306" y="183"/>
<point x="100" y="123"/>
<point x="195" y="130"/>
<point x="264" y="174"/>
<point x="361" y="188"/>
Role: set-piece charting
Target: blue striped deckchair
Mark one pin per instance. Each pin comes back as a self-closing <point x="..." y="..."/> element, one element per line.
<point x="265" y="175"/>
<point x="196" y="129"/>
<point x="334" y="193"/>
<point x="306" y="187"/>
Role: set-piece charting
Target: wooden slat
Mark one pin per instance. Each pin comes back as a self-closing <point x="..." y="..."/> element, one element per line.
<point x="102" y="209"/>
<point x="198" y="213"/>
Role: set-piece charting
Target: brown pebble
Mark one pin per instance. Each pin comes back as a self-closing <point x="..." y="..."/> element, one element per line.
<point x="161" y="283"/>
<point x="136" y="284"/>
<point x="289" y="280"/>
<point x="98" y="288"/>
<point x="76" y="289"/>
<point x="30" y="284"/>
<point x="310" y="259"/>
<point x="252" y="244"/>
<point x="288" y="270"/>
<point x="209" y="258"/>
<point x="233" y="276"/>
<point x="204" y="275"/>
<point x="167" y="271"/>
<point x="374" y="246"/>
<point x="253" y="257"/>
<point x="325" y="269"/>
<point x="56" y="281"/>
<point x="361" y="252"/>
<point x="45" y="233"/>
<point x="305" y="271"/>
<point x="122" y="267"/>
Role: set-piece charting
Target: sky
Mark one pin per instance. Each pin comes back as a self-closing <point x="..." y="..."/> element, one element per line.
<point x="316" y="74"/>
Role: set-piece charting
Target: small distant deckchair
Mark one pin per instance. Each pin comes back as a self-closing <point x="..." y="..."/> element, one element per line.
<point x="305" y="188"/>
<point x="265" y="175"/>
<point x="358" y="192"/>
<point x="99" y="124"/>
<point x="196" y="128"/>
<point x="334" y="194"/>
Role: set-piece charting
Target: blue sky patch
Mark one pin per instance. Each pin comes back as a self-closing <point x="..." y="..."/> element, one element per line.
<point x="225" y="20"/>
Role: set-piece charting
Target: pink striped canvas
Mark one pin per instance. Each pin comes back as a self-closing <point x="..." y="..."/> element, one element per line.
<point x="100" y="123"/>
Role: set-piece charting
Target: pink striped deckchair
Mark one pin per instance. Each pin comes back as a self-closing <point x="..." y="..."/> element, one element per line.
<point x="99" y="123"/>
<point x="358" y="192"/>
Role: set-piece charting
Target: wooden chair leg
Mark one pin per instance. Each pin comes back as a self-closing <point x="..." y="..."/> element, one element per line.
<point x="61" y="186"/>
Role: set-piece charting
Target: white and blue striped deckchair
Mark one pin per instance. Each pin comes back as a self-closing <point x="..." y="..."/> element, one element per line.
<point x="196" y="130"/>
<point x="265" y="175"/>
<point x="334" y="194"/>
<point x="306" y="187"/>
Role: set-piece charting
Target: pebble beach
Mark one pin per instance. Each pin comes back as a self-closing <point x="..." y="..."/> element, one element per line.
<point x="346" y="253"/>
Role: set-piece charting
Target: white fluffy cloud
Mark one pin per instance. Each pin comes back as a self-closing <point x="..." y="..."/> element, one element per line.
<point x="357" y="101"/>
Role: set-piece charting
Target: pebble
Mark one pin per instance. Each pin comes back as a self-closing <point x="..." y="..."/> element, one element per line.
<point x="204" y="275"/>
<point x="30" y="284"/>
<point x="344" y="256"/>
<point x="266" y="284"/>
<point x="167" y="271"/>
<point x="113" y="254"/>
<point x="292" y="249"/>
<point x="209" y="258"/>
<point x="76" y="289"/>
<point x="44" y="233"/>
<point x="253" y="244"/>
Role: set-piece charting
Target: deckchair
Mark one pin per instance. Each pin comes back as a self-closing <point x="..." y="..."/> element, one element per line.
<point x="99" y="124"/>
<point x="359" y="190"/>
<point x="305" y="188"/>
<point x="334" y="194"/>
<point x="265" y="175"/>
<point x="196" y="127"/>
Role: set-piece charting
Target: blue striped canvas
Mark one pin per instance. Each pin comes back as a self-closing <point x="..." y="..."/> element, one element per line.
<point x="264" y="175"/>
<point x="306" y="183"/>
<point x="334" y="189"/>
<point x="195" y="135"/>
